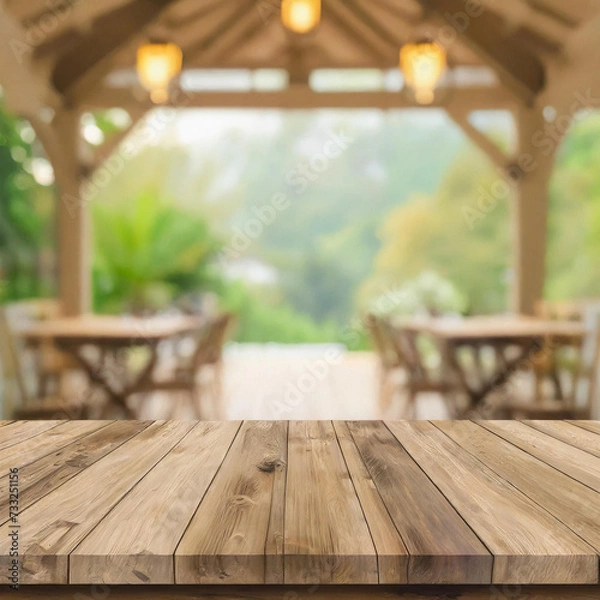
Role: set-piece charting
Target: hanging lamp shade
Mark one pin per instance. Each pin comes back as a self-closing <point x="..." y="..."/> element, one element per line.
<point x="423" y="65"/>
<point x="301" y="16"/>
<point x="157" y="64"/>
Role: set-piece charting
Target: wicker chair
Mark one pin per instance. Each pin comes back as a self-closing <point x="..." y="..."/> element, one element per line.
<point x="580" y="398"/>
<point x="391" y="367"/>
<point x="421" y="378"/>
<point x="189" y="373"/>
<point x="52" y="364"/>
<point x="18" y="403"/>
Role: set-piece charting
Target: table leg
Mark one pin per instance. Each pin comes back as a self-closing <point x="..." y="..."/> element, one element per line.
<point x="99" y="375"/>
<point x="505" y="369"/>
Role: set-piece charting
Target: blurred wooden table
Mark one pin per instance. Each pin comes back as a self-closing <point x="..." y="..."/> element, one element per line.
<point x="523" y="336"/>
<point x="474" y="506"/>
<point x="112" y="337"/>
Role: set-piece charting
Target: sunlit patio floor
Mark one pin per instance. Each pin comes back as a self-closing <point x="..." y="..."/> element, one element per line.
<point x="294" y="382"/>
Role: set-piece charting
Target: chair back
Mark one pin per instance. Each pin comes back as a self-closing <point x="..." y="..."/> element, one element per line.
<point x="566" y="310"/>
<point x="404" y="345"/>
<point x="210" y="340"/>
<point x="24" y="312"/>
<point x="587" y="395"/>
<point x="14" y="390"/>
<point x="379" y="330"/>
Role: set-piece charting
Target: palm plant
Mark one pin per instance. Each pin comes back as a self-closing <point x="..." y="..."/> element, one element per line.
<point x="149" y="252"/>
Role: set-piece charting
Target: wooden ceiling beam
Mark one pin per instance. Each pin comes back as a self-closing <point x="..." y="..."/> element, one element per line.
<point x="91" y="59"/>
<point x="518" y="14"/>
<point x="301" y="97"/>
<point x="571" y="13"/>
<point x="482" y="141"/>
<point x="359" y="31"/>
<point x="521" y="72"/>
<point x="192" y="17"/>
<point x="411" y="11"/>
<point x="27" y="91"/>
<point x="401" y="30"/>
<point x="75" y="16"/>
<point x="241" y="25"/>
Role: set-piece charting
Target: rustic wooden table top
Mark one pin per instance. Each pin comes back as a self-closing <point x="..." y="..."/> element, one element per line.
<point x="106" y="329"/>
<point x="495" y="328"/>
<point x="301" y="502"/>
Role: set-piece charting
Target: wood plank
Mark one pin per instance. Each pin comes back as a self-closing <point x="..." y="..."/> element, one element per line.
<point x="226" y="539"/>
<point x="169" y="495"/>
<point x="572" y="503"/>
<point x="274" y="547"/>
<point x="327" y="539"/>
<point x="529" y="545"/>
<point x="39" y="478"/>
<point x="392" y="555"/>
<point x="593" y="426"/>
<point x="22" y="454"/>
<point x="56" y="524"/>
<point x="575" y="463"/>
<point x="347" y="592"/>
<point x="18" y="431"/>
<point x="31" y="449"/>
<point x="570" y="433"/>
<point x="420" y="513"/>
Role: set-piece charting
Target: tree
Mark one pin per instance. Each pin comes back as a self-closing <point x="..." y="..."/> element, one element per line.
<point x="461" y="232"/>
<point x="574" y="227"/>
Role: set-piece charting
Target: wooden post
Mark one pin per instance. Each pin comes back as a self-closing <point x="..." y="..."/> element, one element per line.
<point x="61" y="141"/>
<point x="536" y="150"/>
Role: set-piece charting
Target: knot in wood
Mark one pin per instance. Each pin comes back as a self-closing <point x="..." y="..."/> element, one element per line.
<point x="270" y="464"/>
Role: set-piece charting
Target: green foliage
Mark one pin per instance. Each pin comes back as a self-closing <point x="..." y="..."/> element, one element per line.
<point x="261" y="318"/>
<point x="574" y="227"/>
<point x="25" y="214"/>
<point x="148" y="252"/>
<point x="436" y="233"/>
<point x="404" y="197"/>
<point x="426" y="294"/>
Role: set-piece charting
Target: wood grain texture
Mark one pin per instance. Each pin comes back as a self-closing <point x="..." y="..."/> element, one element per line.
<point x="39" y="478"/>
<point x="22" y="454"/>
<point x="420" y="512"/>
<point x="19" y="431"/>
<point x="326" y="537"/>
<point x="347" y="592"/>
<point x="122" y="548"/>
<point x="529" y="545"/>
<point x="392" y="555"/>
<point x="303" y="503"/>
<point x="577" y="435"/>
<point x="576" y="463"/>
<point x="274" y="547"/>
<point x="29" y="450"/>
<point x="572" y="503"/>
<point x="593" y="426"/>
<point x="226" y="539"/>
<point x="53" y="527"/>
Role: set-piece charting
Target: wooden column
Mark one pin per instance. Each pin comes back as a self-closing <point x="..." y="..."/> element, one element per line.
<point x="61" y="141"/>
<point x="536" y="150"/>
